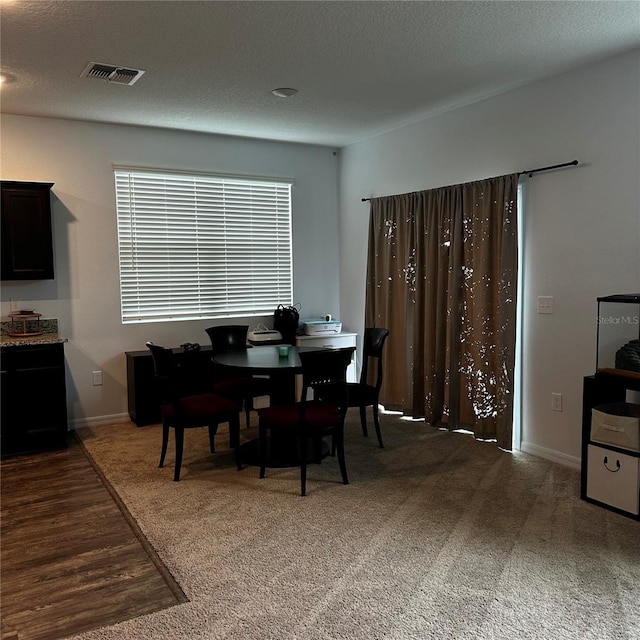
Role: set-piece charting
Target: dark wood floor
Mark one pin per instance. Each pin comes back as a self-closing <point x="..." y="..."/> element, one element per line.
<point x="71" y="559"/>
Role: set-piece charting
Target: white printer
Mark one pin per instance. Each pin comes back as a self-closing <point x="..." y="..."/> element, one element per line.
<point x="319" y="327"/>
<point x="261" y="336"/>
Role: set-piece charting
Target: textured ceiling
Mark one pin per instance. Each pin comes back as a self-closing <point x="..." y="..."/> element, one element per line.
<point x="360" y="67"/>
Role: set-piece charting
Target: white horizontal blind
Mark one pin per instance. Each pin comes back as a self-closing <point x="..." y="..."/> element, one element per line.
<point x="199" y="246"/>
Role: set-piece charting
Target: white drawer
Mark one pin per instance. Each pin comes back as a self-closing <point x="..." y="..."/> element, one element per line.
<point x="336" y="341"/>
<point x="613" y="478"/>
<point x="617" y="424"/>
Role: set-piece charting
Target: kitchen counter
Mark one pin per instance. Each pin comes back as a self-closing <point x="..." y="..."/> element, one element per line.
<point x="45" y="332"/>
<point x="29" y="341"/>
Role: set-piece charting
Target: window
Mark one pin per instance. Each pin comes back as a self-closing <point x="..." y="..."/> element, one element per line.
<point x="202" y="246"/>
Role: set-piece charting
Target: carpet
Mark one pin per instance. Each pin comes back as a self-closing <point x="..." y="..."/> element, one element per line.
<point x="436" y="536"/>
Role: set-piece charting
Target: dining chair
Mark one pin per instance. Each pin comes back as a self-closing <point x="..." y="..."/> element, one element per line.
<point x="364" y="393"/>
<point x="186" y="411"/>
<point x="243" y="389"/>
<point x="308" y="421"/>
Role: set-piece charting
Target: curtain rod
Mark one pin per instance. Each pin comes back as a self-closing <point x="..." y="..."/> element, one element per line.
<point x="529" y="172"/>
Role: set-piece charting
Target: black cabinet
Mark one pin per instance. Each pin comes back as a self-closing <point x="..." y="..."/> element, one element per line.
<point x="34" y="399"/>
<point x="143" y="404"/>
<point x="27" y="240"/>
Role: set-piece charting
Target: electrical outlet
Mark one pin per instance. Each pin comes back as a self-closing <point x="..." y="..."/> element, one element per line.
<point x="96" y="377"/>
<point x="556" y="401"/>
<point x="545" y="304"/>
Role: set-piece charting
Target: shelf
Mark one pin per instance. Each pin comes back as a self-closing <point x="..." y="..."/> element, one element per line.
<point x="623" y="373"/>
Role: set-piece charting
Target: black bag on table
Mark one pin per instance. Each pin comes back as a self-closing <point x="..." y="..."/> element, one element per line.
<point x="285" y="320"/>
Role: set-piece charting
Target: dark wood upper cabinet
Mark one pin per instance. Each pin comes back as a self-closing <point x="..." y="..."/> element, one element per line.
<point x="27" y="240"/>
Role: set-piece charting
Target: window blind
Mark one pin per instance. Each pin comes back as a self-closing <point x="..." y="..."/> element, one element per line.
<point x="202" y="246"/>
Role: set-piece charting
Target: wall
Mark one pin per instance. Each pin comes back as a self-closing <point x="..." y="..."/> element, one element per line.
<point x="85" y="297"/>
<point x="582" y="226"/>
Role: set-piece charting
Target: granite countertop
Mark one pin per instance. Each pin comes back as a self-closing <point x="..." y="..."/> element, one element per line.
<point x="29" y="341"/>
<point x="44" y="332"/>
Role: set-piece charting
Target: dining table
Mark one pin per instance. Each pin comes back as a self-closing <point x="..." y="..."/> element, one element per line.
<point x="267" y="361"/>
<point x="282" y="370"/>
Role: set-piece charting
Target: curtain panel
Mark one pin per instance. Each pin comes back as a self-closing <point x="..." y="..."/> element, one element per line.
<point x="442" y="277"/>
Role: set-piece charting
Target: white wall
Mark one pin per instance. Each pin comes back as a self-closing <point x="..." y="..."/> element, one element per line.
<point x="582" y="229"/>
<point x="79" y="158"/>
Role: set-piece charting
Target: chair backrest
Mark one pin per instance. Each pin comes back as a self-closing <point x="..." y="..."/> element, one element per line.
<point x="166" y="372"/>
<point x="374" y="338"/>
<point x="325" y="370"/>
<point x="228" y="337"/>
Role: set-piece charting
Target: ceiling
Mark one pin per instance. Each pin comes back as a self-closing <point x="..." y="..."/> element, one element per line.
<point x="360" y="67"/>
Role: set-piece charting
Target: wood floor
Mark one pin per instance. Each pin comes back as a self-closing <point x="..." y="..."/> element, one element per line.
<point x="71" y="559"/>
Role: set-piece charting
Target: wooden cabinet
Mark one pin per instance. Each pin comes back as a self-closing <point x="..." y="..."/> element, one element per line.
<point x="34" y="399"/>
<point x="142" y="397"/>
<point x="27" y="240"/>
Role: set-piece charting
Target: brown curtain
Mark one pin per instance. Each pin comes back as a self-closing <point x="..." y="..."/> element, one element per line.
<point x="442" y="277"/>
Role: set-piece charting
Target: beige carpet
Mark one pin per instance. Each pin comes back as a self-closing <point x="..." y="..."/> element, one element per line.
<point x="437" y="536"/>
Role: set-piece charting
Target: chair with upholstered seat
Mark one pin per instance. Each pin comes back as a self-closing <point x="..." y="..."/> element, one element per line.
<point x="243" y="389"/>
<point x="308" y="421"/>
<point x="363" y="394"/>
<point x="181" y="411"/>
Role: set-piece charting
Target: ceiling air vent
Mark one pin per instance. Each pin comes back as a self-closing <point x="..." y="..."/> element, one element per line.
<point x="112" y="73"/>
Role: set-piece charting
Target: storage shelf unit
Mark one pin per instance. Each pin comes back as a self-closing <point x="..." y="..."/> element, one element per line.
<point x="610" y="473"/>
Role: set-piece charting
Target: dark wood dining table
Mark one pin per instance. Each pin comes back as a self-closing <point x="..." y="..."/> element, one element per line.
<point x="282" y="370"/>
<point x="267" y="361"/>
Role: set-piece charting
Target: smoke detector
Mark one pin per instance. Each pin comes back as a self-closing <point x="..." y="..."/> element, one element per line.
<point x="112" y="73"/>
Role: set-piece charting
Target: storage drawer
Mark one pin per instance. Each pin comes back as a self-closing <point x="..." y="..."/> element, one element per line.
<point x="613" y="478"/>
<point x="617" y="424"/>
<point x="336" y="341"/>
<point x="37" y="357"/>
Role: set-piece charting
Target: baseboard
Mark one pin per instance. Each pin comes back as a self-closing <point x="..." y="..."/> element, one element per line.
<point x="94" y="421"/>
<point x="550" y="454"/>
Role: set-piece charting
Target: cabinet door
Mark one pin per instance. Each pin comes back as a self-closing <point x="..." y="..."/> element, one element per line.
<point x="34" y="399"/>
<point x="6" y="444"/>
<point x="40" y="424"/>
<point x="27" y="240"/>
